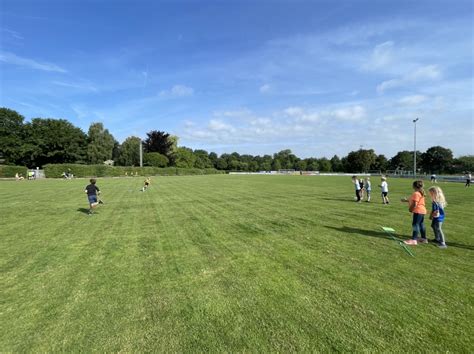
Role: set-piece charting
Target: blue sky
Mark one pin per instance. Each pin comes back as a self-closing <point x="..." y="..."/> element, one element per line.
<point x="317" y="77"/>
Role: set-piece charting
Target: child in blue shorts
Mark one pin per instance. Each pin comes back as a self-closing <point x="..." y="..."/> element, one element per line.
<point x="92" y="195"/>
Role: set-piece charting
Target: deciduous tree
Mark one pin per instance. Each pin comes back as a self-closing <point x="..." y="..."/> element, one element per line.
<point x="437" y="159"/>
<point x="129" y="152"/>
<point x="11" y="136"/>
<point x="100" y="144"/>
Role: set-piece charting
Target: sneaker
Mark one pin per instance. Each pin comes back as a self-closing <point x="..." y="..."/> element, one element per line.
<point x="442" y="246"/>
<point x="410" y="242"/>
<point x="423" y="240"/>
<point x="101" y="202"/>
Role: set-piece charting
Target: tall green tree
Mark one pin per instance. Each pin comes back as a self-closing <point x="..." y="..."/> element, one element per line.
<point x="360" y="160"/>
<point x="12" y="133"/>
<point x="276" y="165"/>
<point x="221" y="163"/>
<point x="266" y="163"/>
<point x="403" y="160"/>
<point x="437" y="159"/>
<point x="184" y="157"/>
<point x="54" y="141"/>
<point x="213" y="158"/>
<point x="463" y="164"/>
<point x="130" y="152"/>
<point x="336" y="164"/>
<point x="202" y="159"/>
<point x="100" y="144"/>
<point x="158" y="141"/>
<point x="324" y="165"/>
<point x="380" y="164"/>
<point x="287" y="159"/>
<point x="312" y="164"/>
<point x="301" y="165"/>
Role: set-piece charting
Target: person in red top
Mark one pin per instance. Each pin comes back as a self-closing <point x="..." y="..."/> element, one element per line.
<point x="417" y="206"/>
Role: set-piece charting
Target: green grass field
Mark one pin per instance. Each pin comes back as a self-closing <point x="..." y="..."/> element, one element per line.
<point x="229" y="263"/>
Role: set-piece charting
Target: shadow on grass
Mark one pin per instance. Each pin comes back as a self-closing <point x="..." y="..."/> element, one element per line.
<point x="353" y="230"/>
<point x="460" y="245"/>
<point x="347" y="200"/>
<point x="381" y="234"/>
<point x="83" y="210"/>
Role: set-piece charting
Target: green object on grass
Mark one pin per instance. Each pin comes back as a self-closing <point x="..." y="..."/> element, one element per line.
<point x="391" y="233"/>
<point x="388" y="229"/>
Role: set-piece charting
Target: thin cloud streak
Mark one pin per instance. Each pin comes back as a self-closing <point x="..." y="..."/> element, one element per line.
<point x="11" y="58"/>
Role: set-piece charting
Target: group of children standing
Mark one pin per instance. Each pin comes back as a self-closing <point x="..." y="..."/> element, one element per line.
<point x="365" y="187"/>
<point x="362" y="187"/>
<point x="416" y="206"/>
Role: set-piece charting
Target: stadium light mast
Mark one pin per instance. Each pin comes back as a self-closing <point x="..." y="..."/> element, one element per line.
<point x="141" y="153"/>
<point x="414" y="148"/>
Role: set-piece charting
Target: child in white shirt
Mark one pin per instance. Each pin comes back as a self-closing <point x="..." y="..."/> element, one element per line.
<point x="384" y="187"/>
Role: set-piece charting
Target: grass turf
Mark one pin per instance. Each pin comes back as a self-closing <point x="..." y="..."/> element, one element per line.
<point x="229" y="263"/>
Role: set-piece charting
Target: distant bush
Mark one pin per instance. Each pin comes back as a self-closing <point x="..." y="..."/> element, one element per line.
<point x="7" y="171"/>
<point x="56" y="171"/>
<point x="155" y="159"/>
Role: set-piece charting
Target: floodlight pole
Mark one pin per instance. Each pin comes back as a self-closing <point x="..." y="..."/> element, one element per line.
<point x="414" y="149"/>
<point x="141" y="153"/>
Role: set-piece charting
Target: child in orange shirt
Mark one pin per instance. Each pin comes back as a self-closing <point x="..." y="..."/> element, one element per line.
<point x="417" y="206"/>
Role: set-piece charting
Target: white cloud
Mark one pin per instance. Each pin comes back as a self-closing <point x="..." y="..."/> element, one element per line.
<point x="389" y="84"/>
<point x="293" y="123"/>
<point x="423" y="73"/>
<point x="181" y="90"/>
<point x="265" y="88"/>
<point x="413" y="100"/>
<point x="354" y="113"/>
<point x="79" y="86"/>
<point x="429" y="72"/>
<point x="13" y="34"/>
<point x="294" y="111"/>
<point x="301" y="115"/>
<point x="178" y="91"/>
<point x="13" y="59"/>
<point x="217" y="125"/>
<point x="382" y="56"/>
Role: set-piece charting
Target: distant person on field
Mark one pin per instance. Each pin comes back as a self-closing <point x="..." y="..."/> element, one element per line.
<point x="368" y="188"/>
<point x="147" y="184"/>
<point x="433" y="178"/>
<point x="468" y="179"/>
<point x="92" y="195"/>
<point x="362" y="188"/>
<point x="416" y="205"/>
<point x="384" y="188"/>
<point x="357" y="188"/>
<point x="437" y="215"/>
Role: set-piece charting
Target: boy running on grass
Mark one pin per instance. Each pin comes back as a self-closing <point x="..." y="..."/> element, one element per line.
<point x="147" y="184"/>
<point x="92" y="191"/>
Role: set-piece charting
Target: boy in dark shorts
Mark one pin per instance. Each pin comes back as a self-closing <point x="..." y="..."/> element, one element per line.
<point x="147" y="184"/>
<point x="92" y="192"/>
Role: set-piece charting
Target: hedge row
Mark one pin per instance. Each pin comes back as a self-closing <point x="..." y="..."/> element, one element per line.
<point x="7" y="171"/>
<point x="56" y="171"/>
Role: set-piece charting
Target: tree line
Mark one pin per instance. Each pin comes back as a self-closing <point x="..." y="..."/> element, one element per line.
<point x="52" y="141"/>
